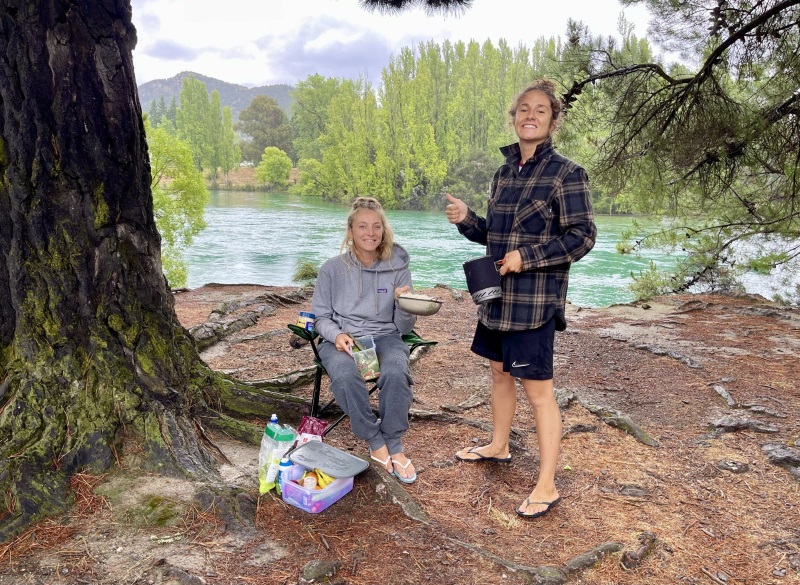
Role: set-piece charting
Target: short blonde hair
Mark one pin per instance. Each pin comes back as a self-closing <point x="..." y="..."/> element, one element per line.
<point x="371" y="204"/>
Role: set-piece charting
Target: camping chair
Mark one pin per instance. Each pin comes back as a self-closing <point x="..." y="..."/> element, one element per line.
<point x="412" y="340"/>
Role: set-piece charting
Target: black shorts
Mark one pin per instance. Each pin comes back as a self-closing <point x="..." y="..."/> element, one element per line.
<point x="525" y="354"/>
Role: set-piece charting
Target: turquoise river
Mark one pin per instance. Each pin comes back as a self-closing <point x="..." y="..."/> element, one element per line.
<point x="258" y="238"/>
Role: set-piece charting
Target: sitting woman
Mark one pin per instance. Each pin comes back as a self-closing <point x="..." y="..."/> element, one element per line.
<point x="355" y="296"/>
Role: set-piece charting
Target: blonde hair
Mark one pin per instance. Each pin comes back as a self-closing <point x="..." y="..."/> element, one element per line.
<point x="548" y="88"/>
<point x="371" y="204"/>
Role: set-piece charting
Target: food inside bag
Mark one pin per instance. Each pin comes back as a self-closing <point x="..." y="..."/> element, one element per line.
<point x="366" y="357"/>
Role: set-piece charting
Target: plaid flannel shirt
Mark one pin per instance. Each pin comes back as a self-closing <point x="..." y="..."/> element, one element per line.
<point x="544" y="211"/>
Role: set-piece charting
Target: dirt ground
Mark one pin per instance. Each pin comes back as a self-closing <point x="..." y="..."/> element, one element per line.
<point x="711" y="379"/>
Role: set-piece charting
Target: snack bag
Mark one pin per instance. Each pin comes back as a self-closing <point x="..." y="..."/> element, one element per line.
<point x="310" y="429"/>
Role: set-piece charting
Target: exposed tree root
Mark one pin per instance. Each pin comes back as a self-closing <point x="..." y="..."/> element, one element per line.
<point x="620" y="421"/>
<point x="631" y="560"/>
<point x="546" y="575"/>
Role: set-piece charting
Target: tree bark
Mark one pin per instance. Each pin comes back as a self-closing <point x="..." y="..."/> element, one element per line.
<point x="94" y="365"/>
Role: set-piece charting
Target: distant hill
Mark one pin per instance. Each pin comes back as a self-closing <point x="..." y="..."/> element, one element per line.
<point x="237" y="97"/>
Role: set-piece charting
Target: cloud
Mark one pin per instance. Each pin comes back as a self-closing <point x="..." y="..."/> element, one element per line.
<point x="171" y="51"/>
<point x="151" y="22"/>
<point x="233" y="53"/>
<point x="331" y="48"/>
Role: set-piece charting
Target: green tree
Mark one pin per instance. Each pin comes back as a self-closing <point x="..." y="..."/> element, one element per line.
<point x="179" y="197"/>
<point x="172" y="111"/>
<point x="95" y="365"/>
<point x="716" y="145"/>
<point x="158" y="109"/>
<point x="207" y="127"/>
<point x="215" y="133"/>
<point x="472" y="179"/>
<point x="310" y="101"/>
<point x="351" y="144"/>
<point x="265" y="123"/>
<point x="311" y="179"/>
<point x="274" y="168"/>
<point x="194" y="120"/>
<point x="230" y="153"/>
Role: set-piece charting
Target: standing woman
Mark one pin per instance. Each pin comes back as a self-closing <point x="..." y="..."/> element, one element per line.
<point x="355" y="295"/>
<point x="539" y="221"/>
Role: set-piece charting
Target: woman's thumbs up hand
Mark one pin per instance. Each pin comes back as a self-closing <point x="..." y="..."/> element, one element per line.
<point x="456" y="210"/>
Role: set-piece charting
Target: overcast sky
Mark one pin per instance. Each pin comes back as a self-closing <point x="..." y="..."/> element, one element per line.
<point x="283" y="41"/>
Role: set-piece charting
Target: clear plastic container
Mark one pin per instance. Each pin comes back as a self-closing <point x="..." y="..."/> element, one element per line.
<point x="314" y="500"/>
<point x="328" y="459"/>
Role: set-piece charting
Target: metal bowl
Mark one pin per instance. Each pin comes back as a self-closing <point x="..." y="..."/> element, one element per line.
<point x="418" y="304"/>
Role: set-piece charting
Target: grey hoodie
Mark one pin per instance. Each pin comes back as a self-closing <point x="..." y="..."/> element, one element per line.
<point x="349" y="298"/>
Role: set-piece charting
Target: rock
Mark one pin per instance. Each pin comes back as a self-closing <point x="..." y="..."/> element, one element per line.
<point x="633" y="491"/>
<point x="784" y="456"/>
<point x="316" y="571"/>
<point x="733" y="466"/>
<point x="457" y="294"/>
<point x="757" y="408"/>
<point x="729" y="424"/>
<point x="725" y="394"/>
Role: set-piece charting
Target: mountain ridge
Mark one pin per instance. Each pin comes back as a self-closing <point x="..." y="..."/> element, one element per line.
<point x="233" y="95"/>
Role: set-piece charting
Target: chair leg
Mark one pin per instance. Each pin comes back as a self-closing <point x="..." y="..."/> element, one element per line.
<point x="315" y="409"/>
<point x="335" y="423"/>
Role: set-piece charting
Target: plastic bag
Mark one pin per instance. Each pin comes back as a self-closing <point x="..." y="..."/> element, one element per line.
<point x="367" y="362"/>
<point x="366" y="357"/>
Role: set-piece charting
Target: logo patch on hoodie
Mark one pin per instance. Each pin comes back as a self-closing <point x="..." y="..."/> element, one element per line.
<point x="383" y="290"/>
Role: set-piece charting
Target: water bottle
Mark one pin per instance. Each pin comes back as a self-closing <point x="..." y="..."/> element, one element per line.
<point x="284" y="474"/>
<point x="277" y="440"/>
<point x="268" y="444"/>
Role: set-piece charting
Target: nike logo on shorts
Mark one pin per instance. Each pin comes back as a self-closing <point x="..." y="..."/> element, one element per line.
<point x="514" y="364"/>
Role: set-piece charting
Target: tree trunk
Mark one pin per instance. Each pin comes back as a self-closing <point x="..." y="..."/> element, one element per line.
<point x="94" y="365"/>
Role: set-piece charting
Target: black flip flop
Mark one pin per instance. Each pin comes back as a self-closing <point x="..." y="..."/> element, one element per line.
<point x="483" y="457"/>
<point x="528" y="502"/>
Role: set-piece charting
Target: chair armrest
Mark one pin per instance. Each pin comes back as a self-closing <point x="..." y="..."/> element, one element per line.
<point x="304" y="333"/>
<point x="413" y="340"/>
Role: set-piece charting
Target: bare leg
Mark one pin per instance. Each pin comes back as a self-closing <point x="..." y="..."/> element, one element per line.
<point x="548" y="433"/>
<point x="504" y="405"/>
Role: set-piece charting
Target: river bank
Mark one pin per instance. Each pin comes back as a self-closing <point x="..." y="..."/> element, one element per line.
<point x="243" y="178"/>
<point x="710" y="379"/>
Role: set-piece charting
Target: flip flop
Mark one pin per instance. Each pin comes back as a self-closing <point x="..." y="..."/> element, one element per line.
<point x="383" y="462"/>
<point x="528" y="502"/>
<point x="411" y="479"/>
<point x="482" y="457"/>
